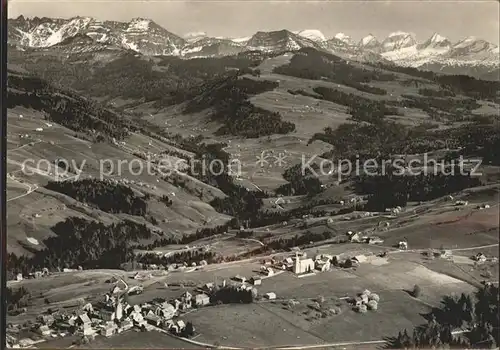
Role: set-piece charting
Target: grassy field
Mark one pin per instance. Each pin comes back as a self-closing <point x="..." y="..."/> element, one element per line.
<point x="186" y="214"/>
<point x="396" y="309"/>
<point x="451" y="229"/>
<point x="393" y="314"/>
<point x="246" y="326"/>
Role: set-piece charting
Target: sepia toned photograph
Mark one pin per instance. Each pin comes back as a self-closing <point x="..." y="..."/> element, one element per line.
<point x="250" y="174"/>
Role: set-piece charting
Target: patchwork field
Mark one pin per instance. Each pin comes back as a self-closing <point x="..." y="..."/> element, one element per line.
<point x="313" y="309"/>
<point x="33" y="210"/>
<point x="389" y="277"/>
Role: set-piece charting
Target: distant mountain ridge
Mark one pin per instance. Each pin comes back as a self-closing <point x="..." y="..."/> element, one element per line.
<point x="148" y="38"/>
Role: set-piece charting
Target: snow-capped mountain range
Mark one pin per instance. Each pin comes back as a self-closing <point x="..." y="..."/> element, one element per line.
<point x="148" y="38"/>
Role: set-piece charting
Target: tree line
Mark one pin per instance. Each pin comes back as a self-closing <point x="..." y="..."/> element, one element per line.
<point x="187" y="257"/>
<point x="228" y="99"/>
<point x="458" y="84"/>
<point x="90" y="244"/>
<point x="477" y="314"/>
<point x="231" y="295"/>
<point x="391" y="190"/>
<point x="66" y="108"/>
<point x="312" y="64"/>
<point x="107" y="196"/>
<point x="16" y="299"/>
<point x="80" y="242"/>
<point x="300" y="183"/>
<point x="163" y="81"/>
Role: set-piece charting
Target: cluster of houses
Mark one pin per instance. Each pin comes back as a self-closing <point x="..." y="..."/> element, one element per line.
<point x="365" y="301"/>
<point x="358" y="237"/>
<point x="301" y="264"/>
<point x="481" y="258"/>
<point x="42" y="273"/>
<point x="176" y="266"/>
<point x="37" y="274"/>
<point x="394" y="211"/>
<point x="114" y="315"/>
<point x="244" y="284"/>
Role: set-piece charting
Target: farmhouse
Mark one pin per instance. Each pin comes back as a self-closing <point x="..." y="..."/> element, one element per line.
<point x="109" y="330"/>
<point x="209" y="286"/>
<point x="375" y="240"/>
<point x="269" y="272"/>
<point x="178" y="326"/>
<point x="153" y="319"/>
<point x="270" y="296"/>
<point x="84" y="321"/>
<point x="480" y="257"/>
<point x="355" y="238"/>
<point x="244" y="286"/>
<point x="323" y="264"/>
<point x="88" y="307"/>
<point x="256" y="280"/>
<point x="137" y="318"/>
<point x="89" y="331"/>
<point x="447" y="254"/>
<point x="202" y="299"/>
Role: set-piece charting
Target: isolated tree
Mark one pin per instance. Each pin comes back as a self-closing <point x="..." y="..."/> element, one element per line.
<point x="397" y="342"/>
<point x="348" y="263"/>
<point x="416" y="291"/>
<point x="362" y="309"/>
<point x="189" y="330"/>
<point x="372" y="305"/>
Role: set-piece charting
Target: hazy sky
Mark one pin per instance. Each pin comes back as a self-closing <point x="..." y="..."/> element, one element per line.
<point x="453" y="19"/>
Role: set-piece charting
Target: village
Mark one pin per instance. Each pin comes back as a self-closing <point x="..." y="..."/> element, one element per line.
<point x="115" y="314"/>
